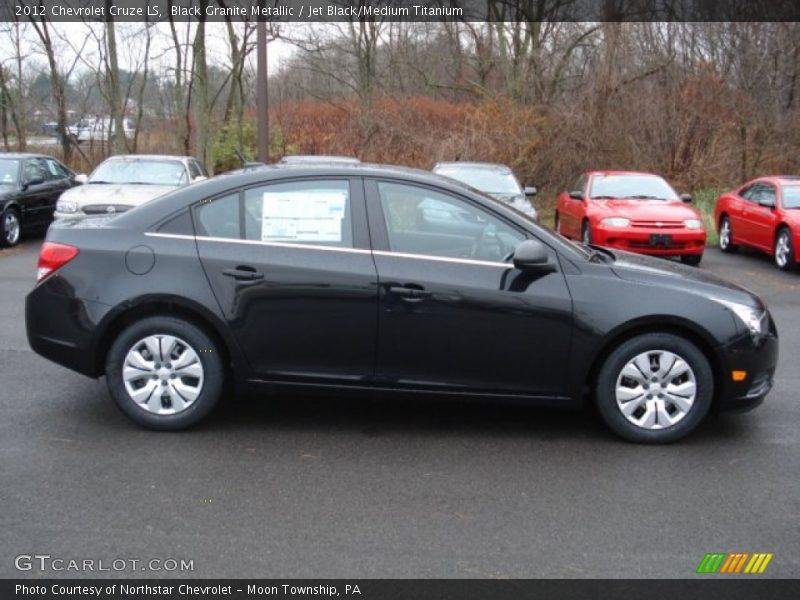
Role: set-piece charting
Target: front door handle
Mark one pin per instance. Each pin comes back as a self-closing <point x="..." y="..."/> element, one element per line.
<point x="409" y="293"/>
<point x="243" y="273"/>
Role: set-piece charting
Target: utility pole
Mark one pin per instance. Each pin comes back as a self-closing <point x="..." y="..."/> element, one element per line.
<point x="262" y="103"/>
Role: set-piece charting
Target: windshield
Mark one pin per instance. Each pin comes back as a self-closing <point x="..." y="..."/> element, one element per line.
<point x="8" y="171"/>
<point x="791" y="196"/>
<point x="145" y="171"/>
<point x="644" y="187"/>
<point x="489" y="181"/>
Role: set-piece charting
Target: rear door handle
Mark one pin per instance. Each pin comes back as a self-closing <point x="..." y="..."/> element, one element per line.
<point x="243" y="273"/>
<point x="409" y="293"/>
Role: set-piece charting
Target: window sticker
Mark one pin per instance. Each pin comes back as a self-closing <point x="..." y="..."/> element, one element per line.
<point x="303" y="216"/>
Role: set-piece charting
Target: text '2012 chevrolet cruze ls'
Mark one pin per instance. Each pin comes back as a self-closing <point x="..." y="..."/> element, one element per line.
<point x="386" y="279"/>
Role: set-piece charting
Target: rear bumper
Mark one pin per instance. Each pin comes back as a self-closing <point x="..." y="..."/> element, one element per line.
<point x="638" y="239"/>
<point x="758" y="358"/>
<point x="62" y="328"/>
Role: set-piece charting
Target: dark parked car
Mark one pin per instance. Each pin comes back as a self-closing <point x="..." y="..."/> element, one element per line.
<point x="30" y="185"/>
<point x="335" y="277"/>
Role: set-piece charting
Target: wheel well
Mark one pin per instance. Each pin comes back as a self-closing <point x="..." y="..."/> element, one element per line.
<point x="624" y="336"/>
<point x="722" y="215"/>
<point x="155" y="308"/>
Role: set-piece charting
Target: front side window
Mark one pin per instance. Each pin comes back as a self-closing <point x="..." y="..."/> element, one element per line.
<point x="300" y="212"/>
<point x="766" y="194"/>
<point x="55" y="169"/>
<point x="426" y="222"/>
<point x="35" y="170"/>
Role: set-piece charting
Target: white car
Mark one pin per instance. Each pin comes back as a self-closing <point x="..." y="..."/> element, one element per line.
<point x="100" y="128"/>
<point x="498" y="181"/>
<point x="121" y="182"/>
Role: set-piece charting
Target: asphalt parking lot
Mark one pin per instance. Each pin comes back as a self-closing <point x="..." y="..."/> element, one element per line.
<point x="338" y="487"/>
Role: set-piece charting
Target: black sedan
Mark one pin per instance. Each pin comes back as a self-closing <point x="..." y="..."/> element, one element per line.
<point x="30" y="185"/>
<point x="358" y="277"/>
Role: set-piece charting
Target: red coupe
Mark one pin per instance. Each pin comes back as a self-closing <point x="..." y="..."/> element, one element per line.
<point x="762" y="214"/>
<point x="638" y="212"/>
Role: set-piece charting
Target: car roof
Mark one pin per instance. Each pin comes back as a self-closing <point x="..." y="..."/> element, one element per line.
<point x="614" y="172"/>
<point x="18" y="155"/>
<point x="296" y="159"/>
<point x="473" y="165"/>
<point x="149" y="157"/>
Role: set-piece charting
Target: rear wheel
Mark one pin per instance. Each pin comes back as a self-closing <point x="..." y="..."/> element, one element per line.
<point x="784" y="250"/>
<point x="691" y="259"/>
<point x="556" y="224"/>
<point x="10" y="228"/>
<point x="164" y="373"/>
<point x="655" y="388"/>
<point x="726" y="236"/>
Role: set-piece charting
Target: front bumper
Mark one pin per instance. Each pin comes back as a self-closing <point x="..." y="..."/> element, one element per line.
<point x="640" y="240"/>
<point x="758" y="358"/>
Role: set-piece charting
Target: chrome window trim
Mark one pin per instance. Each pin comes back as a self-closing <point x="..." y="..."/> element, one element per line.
<point x="445" y="259"/>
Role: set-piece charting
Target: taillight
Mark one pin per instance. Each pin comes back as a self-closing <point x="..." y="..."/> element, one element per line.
<point x="53" y="256"/>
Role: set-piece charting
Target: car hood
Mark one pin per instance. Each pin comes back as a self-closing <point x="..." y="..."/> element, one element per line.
<point x="648" y="210"/>
<point x="518" y="201"/>
<point x="659" y="271"/>
<point x="131" y="194"/>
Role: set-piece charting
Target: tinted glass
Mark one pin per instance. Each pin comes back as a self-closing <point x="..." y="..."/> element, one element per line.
<point x="490" y="181"/>
<point x="646" y="187"/>
<point x="9" y="169"/>
<point x="219" y="218"/>
<point x="423" y="221"/>
<point x="301" y="212"/>
<point x="55" y="169"/>
<point x="35" y="170"/>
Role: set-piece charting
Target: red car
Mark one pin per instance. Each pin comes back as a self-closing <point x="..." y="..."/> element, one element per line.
<point x="762" y="214"/>
<point x="638" y="212"/>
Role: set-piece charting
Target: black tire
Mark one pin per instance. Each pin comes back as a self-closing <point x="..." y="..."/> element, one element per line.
<point x="784" y="259"/>
<point x="556" y="224"/>
<point x="725" y="243"/>
<point x="611" y="371"/>
<point x="7" y="236"/>
<point x="586" y="233"/>
<point x="691" y="259"/>
<point x="207" y="353"/>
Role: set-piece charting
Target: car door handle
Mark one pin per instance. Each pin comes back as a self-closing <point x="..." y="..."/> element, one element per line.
<point x="243" y="273"/>
<point x="408" y="293"/>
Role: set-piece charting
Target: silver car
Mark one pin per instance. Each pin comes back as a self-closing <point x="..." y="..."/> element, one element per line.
<point x="121" y="182"/>
<point x="498" y="181"/>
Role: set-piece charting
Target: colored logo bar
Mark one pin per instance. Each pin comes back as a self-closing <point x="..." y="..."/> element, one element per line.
<point x="734" y="563"/>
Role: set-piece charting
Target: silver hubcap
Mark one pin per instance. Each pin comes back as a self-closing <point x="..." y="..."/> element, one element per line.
<point x="656" y="389"/>
<point x="586" y="236"/>
<point x="725" y="234"/>
<point x="782" y="250"/>
<point x="163" y="374"/>
<point x="11" y="228"/>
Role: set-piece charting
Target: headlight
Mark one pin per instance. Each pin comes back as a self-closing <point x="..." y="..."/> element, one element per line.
<point x="615" y="222"/>
<point x="755" y="319"/>
<point x="66" y="206"/>
<point x="693" y="223"/>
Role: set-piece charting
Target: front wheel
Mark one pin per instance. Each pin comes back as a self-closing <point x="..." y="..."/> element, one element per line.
<point x="784" y="250"/>
<point x="726" y="236"/>
<point x="10" y="228"/>
<point x="691" y="259"/>
<point x="654" y="388"/>
<point x="164" y="373"/>
<point x="586" y="233"/>
<point x="556" y="224"/>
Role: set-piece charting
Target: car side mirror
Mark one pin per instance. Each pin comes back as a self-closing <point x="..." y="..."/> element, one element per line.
<point x="686" y="198"/>
<point x="34" y="181"/>
<point x="532" y="255"/>
<point x="530" y="190"/>
<point x="81" y="178"/>
<point x="576" y="195"/>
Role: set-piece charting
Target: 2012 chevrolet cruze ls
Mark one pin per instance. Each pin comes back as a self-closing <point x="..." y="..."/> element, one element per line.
<point x="386" y="279"/>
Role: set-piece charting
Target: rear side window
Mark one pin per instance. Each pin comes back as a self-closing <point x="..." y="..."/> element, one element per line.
<point x="301" y="212"/>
